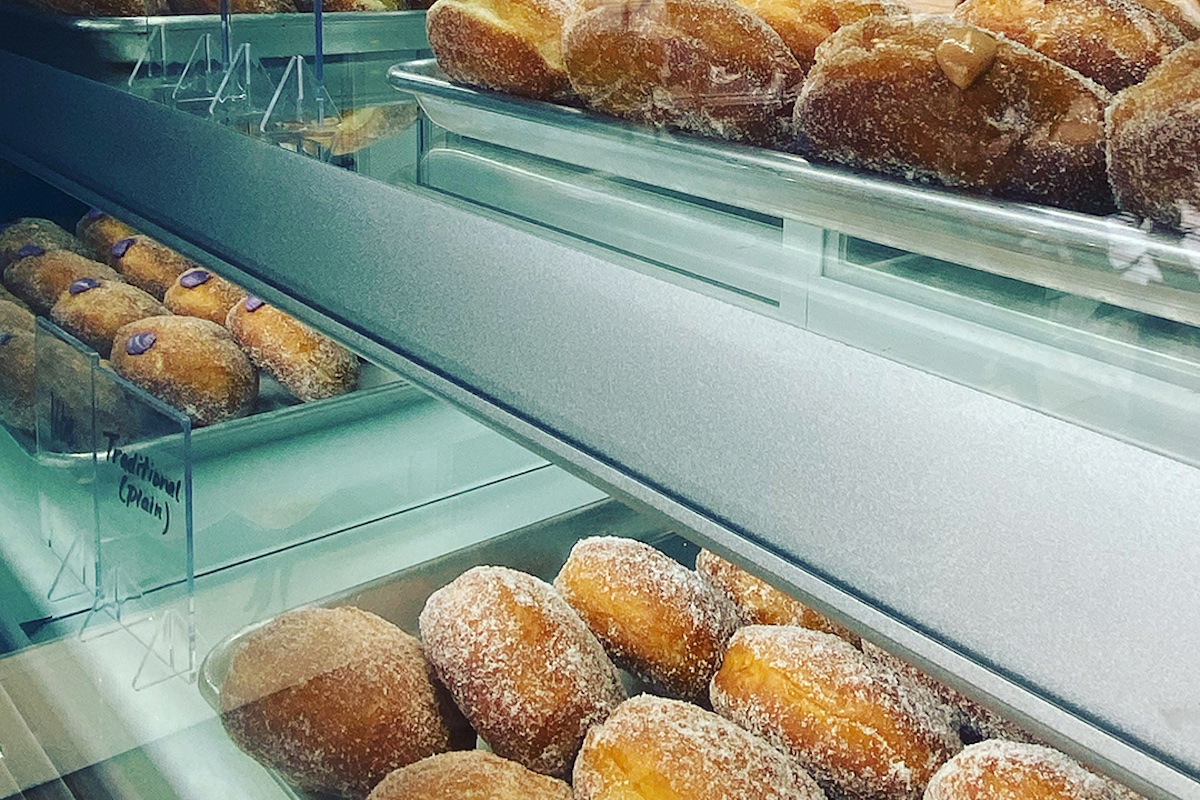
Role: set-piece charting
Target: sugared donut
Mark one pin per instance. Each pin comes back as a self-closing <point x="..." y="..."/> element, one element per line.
<point x="43" y="233"/>
<point x="200" y="293"/>
<point x="189" y="363"/>
<point x="14" y="316"/>
<point x="1154" y="143"/>
<point x="469" y="775"/>
<point x="521" y="665"/>
<point x="654" y="748"/>
<point x="94" y="310"/>
<point x="706" y="66"/>
<point x="1183" y="14"/>
<point x="512" y="46"/>
<point x="9" y="297"/>
<point x="39" y="276"/>
<point x="99" y="232"/>
<point x="804" y="24"/>
<point x="857" y="726"/>
<point x="147" y="264"/>
<point x="1001" y="770"/>
<point x="930" y="99"/>
<point x="18" y="389"/>
<point x="309" y="364"/>
<point x="760" y="603"/>
<point x="974" y="721"/>
<point x="336" y="698"/>
<point x="656" y="618"/>
<point x="1113" y="42"/>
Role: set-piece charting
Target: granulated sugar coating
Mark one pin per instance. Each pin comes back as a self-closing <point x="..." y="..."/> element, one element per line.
<point x="652" y="748"/>
<point x="860" y="729"/>
<point x="521" y="665"/>
<point x="658" y="619"/>
<point x="335" y="699"/>
<point x="1017" y="771"/>
<point x="469" y="775"/>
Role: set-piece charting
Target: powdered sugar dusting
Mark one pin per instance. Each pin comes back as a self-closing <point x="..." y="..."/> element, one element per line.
<point x="855" y="724"/>
<point x="469" y="775"/>
<point x="521" y="664"/>
<point x="654" y="616"/>
<point x="1017" y="770"/>
<point x="653" y="747"/>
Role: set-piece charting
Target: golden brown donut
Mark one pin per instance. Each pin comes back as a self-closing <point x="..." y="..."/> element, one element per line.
<point x="336" y="698"/>
<point x="706" y="66"/>
<point x="1001" y="770"/>
<point x="655" y="617"/>
<point x="149" y="265"/>
<point x="469" y="775"/>
<point x="201" y="293"/>
<point x="653" y="748"/>
<point x="93" y="310"/>
<point x="39" y="277"/>
<point x="308" y="364"/>
<point x="760" y="603"/>
<point x="521" y="665"/>
<point x="1113" y="42"/>
<point x="15" y="316"/>
<point x="859" y="728"/>
<point x="42" y="233"/>
<point x="804" y="24"/>
<point x="973" y="721"/>
<point x="1183" y="14"/>
<point x="928" y="99"/>
<point x="18" y="389"/>
<point x="512" y="46"/>
<point x="189" y="363"/>
<point x="1154" y="143"/>
<point x="100" y="231"/>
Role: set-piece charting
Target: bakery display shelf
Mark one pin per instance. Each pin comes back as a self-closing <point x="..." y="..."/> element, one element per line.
<point x="123" y="40"/>
<point x="1107" y="259"/>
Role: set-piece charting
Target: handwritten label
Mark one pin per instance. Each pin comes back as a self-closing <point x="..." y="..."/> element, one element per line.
<point x="143" y="485"/>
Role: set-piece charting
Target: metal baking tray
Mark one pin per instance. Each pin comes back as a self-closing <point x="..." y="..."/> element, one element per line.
<point x="1108" y="259"/>
<point x="539" y="549"/>
<point x="123" y="40"/>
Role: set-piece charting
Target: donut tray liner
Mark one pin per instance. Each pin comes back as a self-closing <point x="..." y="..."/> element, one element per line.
<point x="1107" y="259"/>
<point x="539" y="549"/>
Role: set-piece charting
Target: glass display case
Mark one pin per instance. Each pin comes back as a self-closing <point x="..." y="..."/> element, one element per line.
<point x="960" y="427"/>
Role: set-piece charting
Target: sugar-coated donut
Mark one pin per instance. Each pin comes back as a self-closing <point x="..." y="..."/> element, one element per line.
<point x="654" y="748"/>
<point x="512" y="46"/>
<point x="93" y="310"/>
<point x="189" y="363"/>
<point x="1001" y="770"/>
<point x="975" y="722"/>
<point x="9" y="297"/>
<point x="1113" y="42"/>
<point x="710" y="67"/>
<point x="15" y="316"/>
<point x="1154" y="143"/>
<point x="469" y="775"/>
<point x="859" y="728"/>
<point x="100" y="231"/>
<point x="760" y="603"/>
<point x="39" y="277"/>
<point x="18" y="389"/>
<point x="43" y="233"/>
<point x="336" y="698"/>
<point x="656" y="618"/>
<point x="931" y="99"/>
<point x="804" y="24"/>
<point x="201" y="293"/>
<point x="521" y="665"/>
<point x="308" y="364"/>
<point x="148" y="264"/>
<point x="1183" y="14"/>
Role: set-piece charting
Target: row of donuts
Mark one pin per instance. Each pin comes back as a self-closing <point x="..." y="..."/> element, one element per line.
<point x="731" y="689"/>
<point x="177" y="330"/>
<point x="1008" y="98"/>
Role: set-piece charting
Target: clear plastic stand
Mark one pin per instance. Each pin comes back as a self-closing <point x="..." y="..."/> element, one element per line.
<point x="301" y="115"/>
<point x="233" y="88"/>
<point x="154" y="73"/>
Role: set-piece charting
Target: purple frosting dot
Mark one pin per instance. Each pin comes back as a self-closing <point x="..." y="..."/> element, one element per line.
<point x="82" y="285"/>
<point x="253" y="303"/>
<point x="122" y="247"/>
<point x="139" y="343"/>
<point x="5" y="338"/>
<point x="30" y="250"/>
<point x="190" y="280"/>
<point x="93" y="214"/>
